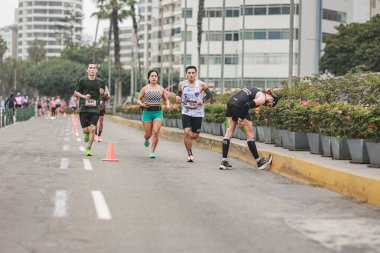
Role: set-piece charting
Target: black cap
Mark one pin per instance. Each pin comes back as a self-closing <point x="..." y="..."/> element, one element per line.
<point x="275" y="100"/>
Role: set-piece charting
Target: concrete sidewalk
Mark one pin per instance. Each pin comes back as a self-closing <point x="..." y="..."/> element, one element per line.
<point x="354" y="180"/>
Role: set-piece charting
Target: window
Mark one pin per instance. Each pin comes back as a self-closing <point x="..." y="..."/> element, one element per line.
<point x="259" y="35"/>
<point x="260" y="10"/>
<point x="233" y="12"/>
<point x="335" y="16"/>
<point x="274" y="10"/>
<point x="189" y="13"/>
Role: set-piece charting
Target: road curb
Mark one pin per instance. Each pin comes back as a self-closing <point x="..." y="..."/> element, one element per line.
<point x="349" y="183"/>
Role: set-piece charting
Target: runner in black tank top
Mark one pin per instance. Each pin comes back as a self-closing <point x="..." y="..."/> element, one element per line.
<point x="237" y="114"/>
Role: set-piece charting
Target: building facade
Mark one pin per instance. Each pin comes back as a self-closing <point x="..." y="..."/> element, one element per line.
<point x="58" y="23"/>
<point x="256" y="37"/>
<point x="9" y="35"/>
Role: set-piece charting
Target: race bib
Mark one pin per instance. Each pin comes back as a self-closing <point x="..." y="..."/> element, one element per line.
<point x="90" y="103"/>
<point x="191" y="104"/>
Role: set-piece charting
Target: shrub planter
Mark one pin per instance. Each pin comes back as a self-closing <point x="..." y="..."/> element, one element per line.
<point x="278" y="138"/>
<point x="255" y="133"/>
<point x="216" y="128"/>
<point x="326" y="146"/>
<point x="373" y="149"/>
<point x="315" y="143"/>
<point x="358" y="150"/>
<point x="207" y="127"/>
<point x="165" y="122"/>
<point x="298" y="141"/>
<point x="260" y="131"/>
<point x="285" y="138"/>
<point x="173" y="122"/>
<point x="269" y="134"/>
<point x="340" y="148"/>
<point x="179" y="123"/>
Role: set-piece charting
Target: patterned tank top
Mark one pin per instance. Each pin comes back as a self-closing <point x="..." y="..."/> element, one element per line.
<point x="190" y="96"/>
<point x="153" y="96"/>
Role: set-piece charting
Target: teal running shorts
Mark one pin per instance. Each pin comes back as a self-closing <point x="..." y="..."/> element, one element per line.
<point x="152" y="115"/>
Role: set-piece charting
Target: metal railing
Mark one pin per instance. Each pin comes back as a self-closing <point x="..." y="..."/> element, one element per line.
<point x="10" y="116"/>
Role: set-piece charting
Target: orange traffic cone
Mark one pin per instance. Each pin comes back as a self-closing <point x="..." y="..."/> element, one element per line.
<point x="74" y="130"/>
<point x="110" y="157"/>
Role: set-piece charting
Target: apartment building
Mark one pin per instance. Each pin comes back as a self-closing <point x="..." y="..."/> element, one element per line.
<point x="256" y="46"/>
<point x="9" y="35"/>
<point x="58" y="23"/>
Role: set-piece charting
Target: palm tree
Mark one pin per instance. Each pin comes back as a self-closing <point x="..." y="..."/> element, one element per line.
<point x="3" y="49"/>
<point x="199" y="28"/>
<point x="132" y="13"/>
<point x="37" y="51"/>
<point x="114" y="10"/>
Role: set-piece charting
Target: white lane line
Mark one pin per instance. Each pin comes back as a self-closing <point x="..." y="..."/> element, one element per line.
<point x="100" y="205"/>
<point x="77" y="134"/>
<point x="66" y="147"/>
<point x="66" y="139"/>
<point x="81" y="148"/>
<point x="78" y="139"/>
<point x="87" y="164"/>
<point x="64" y="163"/>
<point x="60" y="203"/>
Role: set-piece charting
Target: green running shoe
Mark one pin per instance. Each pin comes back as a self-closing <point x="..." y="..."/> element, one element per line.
<point x="146" y="143"/>
<point x="88" y="152"/>
<point x="86" y="137"/>
<point x="152" y="155"/>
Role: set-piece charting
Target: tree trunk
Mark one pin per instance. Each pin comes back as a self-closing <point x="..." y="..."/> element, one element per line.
<point x="115" y="25"/>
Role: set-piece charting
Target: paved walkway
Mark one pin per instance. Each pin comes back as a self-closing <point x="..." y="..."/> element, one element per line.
<point x="354" y="180"/>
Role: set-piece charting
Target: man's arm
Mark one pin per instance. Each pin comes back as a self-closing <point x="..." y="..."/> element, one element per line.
<point x="178" y="97"/>
<point x="207" y="91"/>
<point x="257" y="101"/>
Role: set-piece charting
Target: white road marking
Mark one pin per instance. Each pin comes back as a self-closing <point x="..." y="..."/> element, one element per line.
<point x="60" y="203"/>
<point x="87" y="164"/>
<point x="78" y="140"/>
<point x="100" y="205"/>
<point x="66" y="147"/>
<point x="81" y="148"/>
<point x="64" y="163"/>
<point x="66" y="139"/>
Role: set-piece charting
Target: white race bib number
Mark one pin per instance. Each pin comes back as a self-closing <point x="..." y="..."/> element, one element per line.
<point x="90" y="103"/>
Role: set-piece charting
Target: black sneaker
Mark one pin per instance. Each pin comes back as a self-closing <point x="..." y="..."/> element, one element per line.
<point x="264" y="162"/>
<point x="225" y="165"/>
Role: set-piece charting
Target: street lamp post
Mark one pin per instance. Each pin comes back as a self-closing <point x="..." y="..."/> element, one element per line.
<point x="185" y="36"/>
<point x="291" y="36"/>
<point x="242" y="46"/>
<point x="223" y="38"/>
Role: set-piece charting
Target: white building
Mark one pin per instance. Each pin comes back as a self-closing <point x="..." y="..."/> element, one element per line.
<point x="9" y="35"/>
<point x="57" y="23"/>
<point x="266" y="37"/>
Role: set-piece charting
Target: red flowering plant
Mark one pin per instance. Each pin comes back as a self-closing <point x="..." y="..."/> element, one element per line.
<point x="296" y="116"/>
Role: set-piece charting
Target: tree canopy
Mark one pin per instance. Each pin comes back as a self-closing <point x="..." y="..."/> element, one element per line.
<point x="354" y="44"/>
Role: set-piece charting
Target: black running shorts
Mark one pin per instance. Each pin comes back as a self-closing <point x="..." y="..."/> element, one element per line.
<point x="194" y="123"/>
<point x="88" y="118"/>
<point x="233" y="111"/>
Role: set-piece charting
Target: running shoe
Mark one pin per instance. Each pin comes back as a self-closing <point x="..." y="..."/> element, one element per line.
<point x="225" y="165"/>
<point x="146" y="143"/>
<point x="152" y="155"/>
<point x="96" y="138"/>
<point x="264" y="162"/>
<point x="88" y="152"/>
<point x="86" y="137"/>
<point x="100" y="139"/>
<point x="190" y="159"/>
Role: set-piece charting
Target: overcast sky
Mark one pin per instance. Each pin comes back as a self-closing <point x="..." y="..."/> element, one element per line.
<point x="7" y="10"/>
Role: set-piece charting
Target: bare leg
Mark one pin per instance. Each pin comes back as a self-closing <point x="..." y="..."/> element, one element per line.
<point x="156" y="132"/>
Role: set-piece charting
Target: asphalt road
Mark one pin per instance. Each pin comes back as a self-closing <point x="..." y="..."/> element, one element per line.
<point x="55" y="199"/>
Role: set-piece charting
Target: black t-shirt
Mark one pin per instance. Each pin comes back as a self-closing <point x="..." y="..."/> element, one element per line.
<point x="87" y="86"/>
<point x="243" y="96"/>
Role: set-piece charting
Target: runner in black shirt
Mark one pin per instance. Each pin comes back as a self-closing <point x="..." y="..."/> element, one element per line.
<point x="237" y="114"/>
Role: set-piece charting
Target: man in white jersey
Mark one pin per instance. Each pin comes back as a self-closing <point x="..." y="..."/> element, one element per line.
<point x="190" y="94"/>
